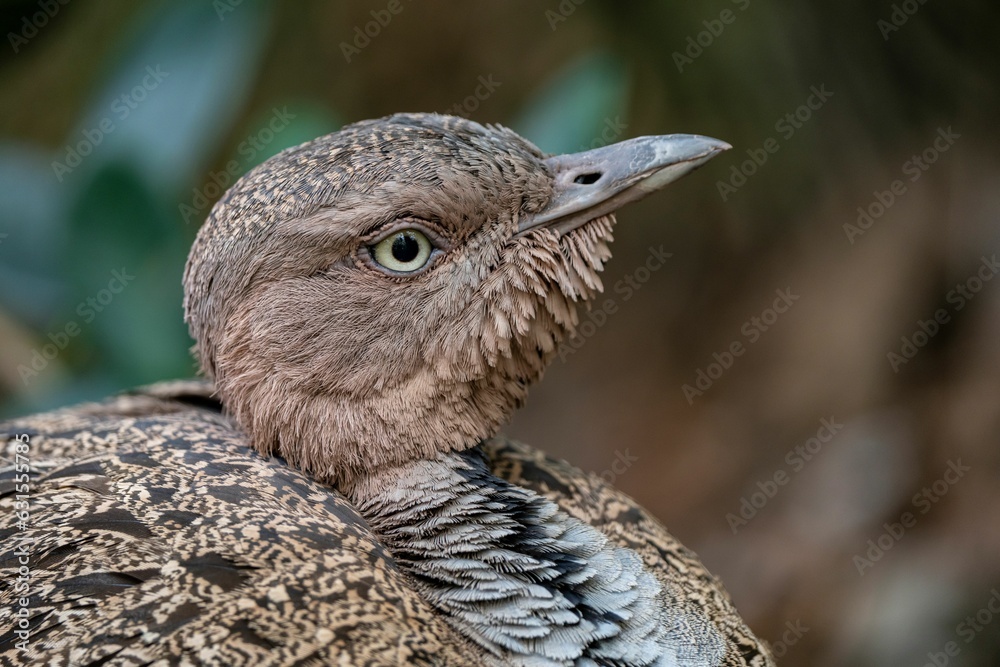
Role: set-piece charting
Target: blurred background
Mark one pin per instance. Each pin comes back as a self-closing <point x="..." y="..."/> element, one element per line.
<point x="805" y="391"/>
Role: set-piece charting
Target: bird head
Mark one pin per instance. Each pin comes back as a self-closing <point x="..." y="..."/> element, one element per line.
<point x="390" y="291"/>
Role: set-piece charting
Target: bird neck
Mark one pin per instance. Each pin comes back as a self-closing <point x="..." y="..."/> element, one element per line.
<point x="510" y="570"/>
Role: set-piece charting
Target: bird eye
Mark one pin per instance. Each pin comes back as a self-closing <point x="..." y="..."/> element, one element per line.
<point x="404" y="251"/>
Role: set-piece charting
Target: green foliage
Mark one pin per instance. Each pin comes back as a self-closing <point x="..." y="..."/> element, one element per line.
<point x="108" y="202"/>
<point x="570" y="112"/>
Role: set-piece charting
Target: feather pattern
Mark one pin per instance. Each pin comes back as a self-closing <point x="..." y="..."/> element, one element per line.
<point x="157" y="533"/>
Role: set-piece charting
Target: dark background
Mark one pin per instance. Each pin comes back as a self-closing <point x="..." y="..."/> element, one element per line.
<point x="568" y="77"/>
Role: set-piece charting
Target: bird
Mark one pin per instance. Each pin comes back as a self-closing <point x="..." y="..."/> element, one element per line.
<point x="368" y="309"/>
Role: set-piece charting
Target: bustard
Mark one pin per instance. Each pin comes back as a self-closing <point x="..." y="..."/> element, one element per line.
<point x="368" y="309"/>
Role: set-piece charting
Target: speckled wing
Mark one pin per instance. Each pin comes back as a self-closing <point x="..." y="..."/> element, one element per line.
<point x="688" y="587"/>
<point x="156" y="536"/>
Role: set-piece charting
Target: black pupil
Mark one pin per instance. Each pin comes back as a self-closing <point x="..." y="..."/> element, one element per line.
<point x="405" y="248"/>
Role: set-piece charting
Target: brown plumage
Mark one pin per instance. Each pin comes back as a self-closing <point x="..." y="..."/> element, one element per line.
<point x="371" y="307"/>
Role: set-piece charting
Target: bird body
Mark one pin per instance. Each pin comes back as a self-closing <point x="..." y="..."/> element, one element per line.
<point x="369" y="308"/>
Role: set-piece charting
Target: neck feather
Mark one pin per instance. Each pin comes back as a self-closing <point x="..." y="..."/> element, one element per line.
<point x="511" y="571"/>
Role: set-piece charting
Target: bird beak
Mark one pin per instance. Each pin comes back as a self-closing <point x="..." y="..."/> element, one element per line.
<point x="600" y="181"/>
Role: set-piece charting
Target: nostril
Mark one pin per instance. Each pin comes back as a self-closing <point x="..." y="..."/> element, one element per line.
<point x="587" y="179"/>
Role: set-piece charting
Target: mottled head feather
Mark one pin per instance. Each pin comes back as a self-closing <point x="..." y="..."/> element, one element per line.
<point x="341" y="368"/>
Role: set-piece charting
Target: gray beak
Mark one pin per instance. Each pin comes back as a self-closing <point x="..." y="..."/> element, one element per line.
<point x="600" y="181"/>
